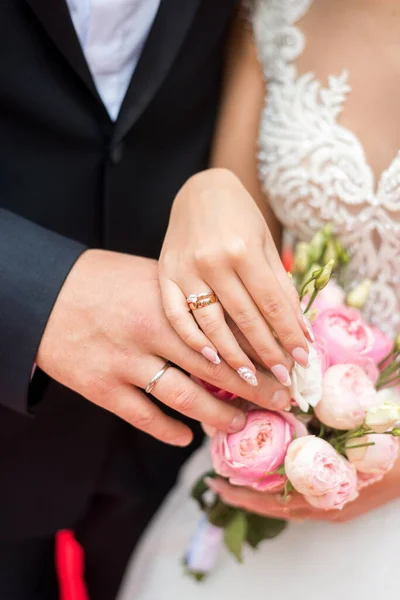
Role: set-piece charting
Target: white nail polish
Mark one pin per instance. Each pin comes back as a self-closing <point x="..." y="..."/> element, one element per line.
<point x="248" y="376"/>
<point x="210" y="355"/>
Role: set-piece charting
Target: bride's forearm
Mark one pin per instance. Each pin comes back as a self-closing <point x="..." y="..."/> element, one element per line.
<point x="236" y="135"/>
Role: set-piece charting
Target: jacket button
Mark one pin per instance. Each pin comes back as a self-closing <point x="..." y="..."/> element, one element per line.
<point x="117" y="153"/>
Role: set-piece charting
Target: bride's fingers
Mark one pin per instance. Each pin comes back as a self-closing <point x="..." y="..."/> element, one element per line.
<point x="242" y="310"/>
<point x="290" y="292"/>
<point x="178" y="313"/>
<point x="274" y="305"/>
<point x="261" y="502"/>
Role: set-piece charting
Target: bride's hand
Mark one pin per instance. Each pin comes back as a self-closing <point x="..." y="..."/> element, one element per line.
<point x="218" y="241"/>
<point x="297" y="509"/>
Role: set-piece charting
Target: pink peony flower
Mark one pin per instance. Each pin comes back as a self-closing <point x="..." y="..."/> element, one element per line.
<point x="250" y="456"/>
<point x="347" y="393"/>
<point x="373" y="460"/>
<point x="346" y="491"/>
<point x="348" y="338"/>
<point x="213" y="390"/>
<point x="381" y="345"/>
<point x="321" y="348"/>
<point x="313" y="466"/>
<point x="367" y="479"/>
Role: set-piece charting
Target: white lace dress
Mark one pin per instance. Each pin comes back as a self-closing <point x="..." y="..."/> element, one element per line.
<point x="314" y="170"/>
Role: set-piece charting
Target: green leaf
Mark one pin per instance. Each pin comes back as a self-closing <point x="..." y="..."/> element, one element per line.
<point x="261" y="528"/>
<point x="220" y="514"/>
<point x="196" y="575"/>
<point x="235" y="534"/>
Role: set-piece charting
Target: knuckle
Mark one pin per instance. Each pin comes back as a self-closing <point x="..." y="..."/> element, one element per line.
<point x="191" y="338"/>
<point x="205" y="258"/>
<point x="214" y="372"/>
<point x="174" y="316"/>
<point x="237" y="250"/>
<point x="270" y="355"/>
<point x="144" y="420"/>
<point x="245" y="320"/>
<point x="272" y="307"/>
<point x="288" y="339"/>
<point x="185" y="401"/>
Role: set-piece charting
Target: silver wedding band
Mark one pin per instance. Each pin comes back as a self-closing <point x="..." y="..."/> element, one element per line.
<point x="153" y="382"/>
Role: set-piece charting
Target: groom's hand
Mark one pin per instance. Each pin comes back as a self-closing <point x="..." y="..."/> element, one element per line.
<point x="108" y="336"/>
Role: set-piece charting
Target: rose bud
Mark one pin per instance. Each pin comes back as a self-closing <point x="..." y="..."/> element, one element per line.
<point x="347" y="393"/>
<point x="313" y="466"/>
<point x="347" y="336"/>
<point x="376" y="459"/>
<point x="251" y="456"/>
<point x="346" y="491"/>
<point x="306" y="388"/>
<point x="332" y="295"/>
<point x="358" y="296"/>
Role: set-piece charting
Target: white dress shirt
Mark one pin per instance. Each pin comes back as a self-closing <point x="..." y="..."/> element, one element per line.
<point x="112" y="34"/>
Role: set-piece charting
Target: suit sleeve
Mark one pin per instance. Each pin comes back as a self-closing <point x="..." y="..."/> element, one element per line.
<point x="34" y="263"/>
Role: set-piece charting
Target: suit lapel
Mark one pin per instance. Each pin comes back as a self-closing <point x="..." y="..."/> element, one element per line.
<point x="167" y="34"/>
<point x="55" y="17"/>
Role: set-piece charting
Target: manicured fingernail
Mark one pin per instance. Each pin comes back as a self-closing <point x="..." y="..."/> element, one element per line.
<point x="181" y="441"/>
<point x="280" y="400"/>
<point x="282" y="374"/>
<point x="300" y="356"/>
<point x="309" y="328"/>
<point x="213" y="484"/>
<point x="210" y="355"/>
<point x="248" y="376"/>
<point x="238" y="423"/>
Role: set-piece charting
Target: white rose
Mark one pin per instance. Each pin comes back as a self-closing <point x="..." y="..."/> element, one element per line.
<point x="306" y="388"/>
<point x="383" y="417"/>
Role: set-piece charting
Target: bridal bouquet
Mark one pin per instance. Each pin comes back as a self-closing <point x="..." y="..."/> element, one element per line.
<point x="340" y="434"/>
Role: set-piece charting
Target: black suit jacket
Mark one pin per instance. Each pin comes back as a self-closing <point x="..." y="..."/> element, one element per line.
<point x="71" y="179"/>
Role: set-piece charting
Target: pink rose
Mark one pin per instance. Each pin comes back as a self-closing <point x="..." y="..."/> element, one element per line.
<point x="213" y="390"/>
<point x="347" y="336"/>
<point x="330" y="296"/>
<point x="381" y="345"/>
<point x="250" y="456"/>
<point x="313" y="466"/>
<point x="346" y="491"/>
<point x="376" y="459"/>
<point x="347" y="393"/>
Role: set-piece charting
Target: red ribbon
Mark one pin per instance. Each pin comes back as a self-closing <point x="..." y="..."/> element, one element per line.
<point x="70" y="566"/>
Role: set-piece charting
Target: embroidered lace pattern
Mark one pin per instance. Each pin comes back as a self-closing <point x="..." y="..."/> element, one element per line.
<point x="315" y="171"/>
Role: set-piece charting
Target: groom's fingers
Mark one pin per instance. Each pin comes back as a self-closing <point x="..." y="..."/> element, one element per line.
<point x="176" y="390"/>
<point x="134" y="407"/>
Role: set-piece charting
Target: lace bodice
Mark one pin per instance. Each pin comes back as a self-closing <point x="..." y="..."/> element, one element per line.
<point x="314" y="170"/>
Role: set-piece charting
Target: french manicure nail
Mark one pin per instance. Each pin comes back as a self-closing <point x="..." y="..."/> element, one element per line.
<point x="282" y="374"/>
<point x="300" y="356"/>
<point x="248" y="376"/>
<point x="238" y="423"/>
<point x="309" y="328"/>
<point x="211" y="355"/>
<point x="280" y="400"/>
